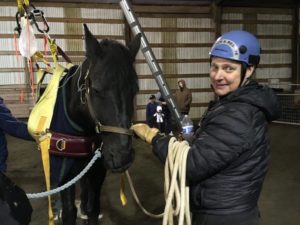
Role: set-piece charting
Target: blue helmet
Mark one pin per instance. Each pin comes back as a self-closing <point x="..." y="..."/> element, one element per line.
<point x="237" y="45"/>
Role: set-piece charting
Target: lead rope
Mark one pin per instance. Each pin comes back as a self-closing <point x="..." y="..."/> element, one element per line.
<point x="96" y="156"/>
<point x="176" y="191"/>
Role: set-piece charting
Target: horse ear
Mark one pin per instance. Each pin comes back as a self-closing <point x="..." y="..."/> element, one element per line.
<point x="91" y="43"/>
<point x="134" y="46"/>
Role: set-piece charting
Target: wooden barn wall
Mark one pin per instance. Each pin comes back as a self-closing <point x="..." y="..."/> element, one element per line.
<point x="12" y="76"/>
<point x="65" y="22"/>
<point x="180" y="37"/>
<point x="180" y="41"/>
<point x="297" y="80"/>
<point x="274" y="29"/>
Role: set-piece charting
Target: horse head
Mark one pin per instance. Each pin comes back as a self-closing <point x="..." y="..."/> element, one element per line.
<point x="111" y="84"/>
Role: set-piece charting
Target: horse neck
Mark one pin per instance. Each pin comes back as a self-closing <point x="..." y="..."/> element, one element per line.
<point x="77" y="108"/>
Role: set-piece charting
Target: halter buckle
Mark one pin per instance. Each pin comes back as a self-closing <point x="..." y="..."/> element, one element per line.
<point x="98" y="128"/>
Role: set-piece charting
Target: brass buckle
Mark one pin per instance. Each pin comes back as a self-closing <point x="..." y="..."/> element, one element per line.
<point x="61" y="144"/>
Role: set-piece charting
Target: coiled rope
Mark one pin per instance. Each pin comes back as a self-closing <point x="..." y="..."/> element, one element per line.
<point x="176" y="191"/>
<point x="69" y="183"/>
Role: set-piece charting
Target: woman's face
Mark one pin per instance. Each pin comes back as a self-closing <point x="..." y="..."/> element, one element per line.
<point x="225" y="75"/>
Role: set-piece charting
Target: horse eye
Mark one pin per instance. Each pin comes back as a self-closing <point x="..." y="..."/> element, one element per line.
<point x="99" y="93"/>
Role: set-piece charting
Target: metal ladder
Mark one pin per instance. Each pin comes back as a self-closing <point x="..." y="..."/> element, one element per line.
<point x="151" y="61"/>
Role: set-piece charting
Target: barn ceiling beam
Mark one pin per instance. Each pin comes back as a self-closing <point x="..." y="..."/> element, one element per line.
<point x="217" y="2"/>
<point x="259" y="3"/>
<point x="146" y="2"/>
<point x="233" y="3"/>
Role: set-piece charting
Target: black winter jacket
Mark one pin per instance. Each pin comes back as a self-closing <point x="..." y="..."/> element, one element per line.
<point x="228" y="160"/>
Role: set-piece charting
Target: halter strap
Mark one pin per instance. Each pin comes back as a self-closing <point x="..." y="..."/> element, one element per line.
<point x="119" y="130"/>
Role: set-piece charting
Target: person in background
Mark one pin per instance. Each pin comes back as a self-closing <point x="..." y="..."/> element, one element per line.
<point x="159" y="119"/>
<point x="183" y="97"/>
<point x="229" y="153"/>
<point x="9" y="125"/>
<point x="167" y="113"/>
<point x="151" y="110"/>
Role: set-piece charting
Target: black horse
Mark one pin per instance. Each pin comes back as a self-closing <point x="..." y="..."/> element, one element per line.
<point x="94" y="109"/>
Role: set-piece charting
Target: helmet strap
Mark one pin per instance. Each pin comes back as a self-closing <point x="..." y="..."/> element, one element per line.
<point x="243" y="74"/>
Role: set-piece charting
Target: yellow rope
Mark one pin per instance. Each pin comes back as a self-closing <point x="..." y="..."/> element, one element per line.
<point x="176" y="191"/>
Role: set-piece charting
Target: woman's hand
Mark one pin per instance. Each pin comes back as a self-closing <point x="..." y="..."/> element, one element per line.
<point x="144" y="132"/>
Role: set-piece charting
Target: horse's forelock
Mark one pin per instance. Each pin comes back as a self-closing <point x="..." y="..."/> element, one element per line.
<point x="124" y="76"/>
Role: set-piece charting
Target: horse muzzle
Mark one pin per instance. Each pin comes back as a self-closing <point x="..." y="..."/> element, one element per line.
<point x="118" y="159"/>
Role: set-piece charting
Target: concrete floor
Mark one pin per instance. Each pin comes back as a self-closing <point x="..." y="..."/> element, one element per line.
<point x="279" y="202"/>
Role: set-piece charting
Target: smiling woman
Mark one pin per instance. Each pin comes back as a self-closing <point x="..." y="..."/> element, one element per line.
<point x="226" y="76"/>
<point x="228" y="157"/>
<point x="234" y="57"/>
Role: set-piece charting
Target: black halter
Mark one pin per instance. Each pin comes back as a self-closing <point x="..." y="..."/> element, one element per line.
<point x="99" y="127"/>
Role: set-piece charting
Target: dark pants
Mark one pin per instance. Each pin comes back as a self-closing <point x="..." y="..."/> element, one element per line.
<point x="250" y="217"/>
<point x="15" y="207"/>
<point x="160" y="126"/>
